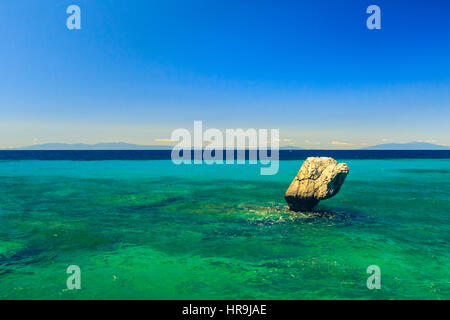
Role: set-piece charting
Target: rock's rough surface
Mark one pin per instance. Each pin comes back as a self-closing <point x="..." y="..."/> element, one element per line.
<point x="319" y="178"/>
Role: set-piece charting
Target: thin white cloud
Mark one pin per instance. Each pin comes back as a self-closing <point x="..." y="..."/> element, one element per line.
<point x="163" y="140"/>
<point x="428" y="141"/>
<point x="312" y="142"/>
<point x="339" y="143"/>
<point x="283" y="140"/>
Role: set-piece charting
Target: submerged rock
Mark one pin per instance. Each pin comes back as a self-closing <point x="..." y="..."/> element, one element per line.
<point x="319" y="178"/>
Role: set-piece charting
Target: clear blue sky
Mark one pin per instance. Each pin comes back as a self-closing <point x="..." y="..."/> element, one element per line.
<point x="139" y="69"/>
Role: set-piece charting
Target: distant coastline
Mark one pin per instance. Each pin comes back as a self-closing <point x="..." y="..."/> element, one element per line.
<point x="127" y="146"/>
<point x="407" y="146"/>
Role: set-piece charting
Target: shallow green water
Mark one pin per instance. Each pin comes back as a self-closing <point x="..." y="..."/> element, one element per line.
<point x="153" y="230"/>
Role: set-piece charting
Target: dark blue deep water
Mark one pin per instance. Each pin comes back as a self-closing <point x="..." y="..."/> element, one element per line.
<point x="165" y="154"/>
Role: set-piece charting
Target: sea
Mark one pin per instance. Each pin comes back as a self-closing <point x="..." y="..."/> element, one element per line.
<point x="140" y="227"/>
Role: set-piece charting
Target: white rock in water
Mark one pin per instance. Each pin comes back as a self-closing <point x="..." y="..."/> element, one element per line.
<point x="319" y="178"/>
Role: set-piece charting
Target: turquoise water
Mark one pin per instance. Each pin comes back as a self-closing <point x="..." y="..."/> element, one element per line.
<point x="153" y="230"/>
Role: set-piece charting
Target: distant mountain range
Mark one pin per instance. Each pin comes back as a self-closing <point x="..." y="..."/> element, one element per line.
<point x="407" y="146"/>
<point x="291" y="148"/>
<point x="128" y="146"/>
<point x="98" y="146"/>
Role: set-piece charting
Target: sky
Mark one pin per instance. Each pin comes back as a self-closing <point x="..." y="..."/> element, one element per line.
<point x="137" y="70"/>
